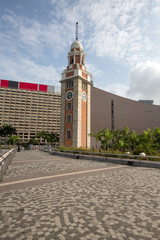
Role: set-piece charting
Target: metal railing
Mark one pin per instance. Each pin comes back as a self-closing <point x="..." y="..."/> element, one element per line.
<point x="124" y="157"/>
<point x="110" y="155"/>
<point x="5" y="161"/>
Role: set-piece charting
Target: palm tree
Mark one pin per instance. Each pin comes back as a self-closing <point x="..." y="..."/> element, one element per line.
<point x="146" y="142"/>
<point x="125" y="133"/>
<point x="52" y="137"/>
<point x="7" y="130"/>
<point x="13" y="140"/>
<point x="33" y="141"/>
<point x="106" y="136"/>
<point x="96" y="136"/>
<point x="156" y="134"/>
<point x="43" y="134"/>
<point x="121" y="145"/>
<point x="133" y="139"/>
<point x="116" y="136"/>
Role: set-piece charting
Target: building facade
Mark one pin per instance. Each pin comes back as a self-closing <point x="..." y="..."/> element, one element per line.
<point x="114" y="112"/>
<point x="29" y="107"/>
<point x="75" y="100"/>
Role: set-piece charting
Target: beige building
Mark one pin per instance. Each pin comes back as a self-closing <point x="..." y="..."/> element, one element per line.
<point x="115" y="112"/>
<point x="30" y="108"/>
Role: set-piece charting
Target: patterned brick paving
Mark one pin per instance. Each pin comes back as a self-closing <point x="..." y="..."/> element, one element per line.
<point x="119" y="204"/>
<point x="36" y="162"/>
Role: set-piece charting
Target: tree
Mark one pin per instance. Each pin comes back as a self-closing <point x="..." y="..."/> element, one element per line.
<point x="105" y="136"/>
<point x="13" y="140"/>
<point x="125" y="135"/>
<point x="52" y="137"/>
<point x="156" y="134"/>
<point x="146" y="143"/>
<point x="43" y="134"/>
<point x="96" y="136"/>
<point x="116" y="136"/>
<point x="122" y="139"/>
<point x="121" y="145"/>
<point x="33" y="141"/>
<point x="133" y="140"/>
<point x="6" y="130"/>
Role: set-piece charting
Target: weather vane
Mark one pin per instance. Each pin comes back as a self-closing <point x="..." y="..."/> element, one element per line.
<point x="76" y="31"/>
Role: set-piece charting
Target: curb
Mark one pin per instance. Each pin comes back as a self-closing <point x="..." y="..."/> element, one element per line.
<point x="130" y="162"/>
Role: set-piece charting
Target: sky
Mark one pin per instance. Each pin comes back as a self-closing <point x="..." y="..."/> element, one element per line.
<point x="121" y="40"/>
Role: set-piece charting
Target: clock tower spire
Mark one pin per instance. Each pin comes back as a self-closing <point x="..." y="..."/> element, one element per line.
<point x="75" y="123"/>
<point x="76" y="31"/>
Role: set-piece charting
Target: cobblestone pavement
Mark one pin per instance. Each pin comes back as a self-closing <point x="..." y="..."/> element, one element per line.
<point x="37" y="162"/>
<point x="120" y="204"/>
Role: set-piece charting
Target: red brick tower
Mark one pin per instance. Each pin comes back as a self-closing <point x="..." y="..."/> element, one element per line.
<point x="75" y="100"/>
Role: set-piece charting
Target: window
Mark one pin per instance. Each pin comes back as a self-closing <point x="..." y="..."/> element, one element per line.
<point x="83" y="60"/>
<point x="69" y="118"/>
<point x="84" y="86"/>
<point x="71" y="59"/>
<point x="69" y="84"/>
<point x="69" y="106"/>
<point x="68" y="134"/>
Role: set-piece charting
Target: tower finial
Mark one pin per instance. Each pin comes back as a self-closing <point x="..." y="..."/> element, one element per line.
<point x="76" y="31"/>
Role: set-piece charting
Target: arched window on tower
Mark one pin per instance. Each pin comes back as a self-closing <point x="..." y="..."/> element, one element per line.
<point x="71" y="59"/>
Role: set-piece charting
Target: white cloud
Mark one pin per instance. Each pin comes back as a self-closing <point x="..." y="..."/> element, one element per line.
<point x="93" y="69"/>
<point x="53" y="1"/>
<point x="10" y="18"/>
<point x="32" y="36"/>
<point x="145" y="82"/>
<point x="41" y="36"/>
<point x="116" y="88"/>
<point x="22" y="69"/>
<point x="109" y="28"/>
<point x="116" y="29"/>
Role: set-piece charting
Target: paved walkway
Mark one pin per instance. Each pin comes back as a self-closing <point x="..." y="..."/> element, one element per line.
<point x="51" y="197"/>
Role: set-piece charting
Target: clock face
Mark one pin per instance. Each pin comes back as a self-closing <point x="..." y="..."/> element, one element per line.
<point x="69" y="95"/>
<point x="84" y="96"/>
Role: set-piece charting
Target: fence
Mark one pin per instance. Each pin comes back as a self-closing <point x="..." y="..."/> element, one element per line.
<point x="125" y="158"/>
<point x="103" y="154"/>
<point x="5" y="160"/>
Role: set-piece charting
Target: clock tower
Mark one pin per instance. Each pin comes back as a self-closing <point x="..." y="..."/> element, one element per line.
<point x="75" y="119"/>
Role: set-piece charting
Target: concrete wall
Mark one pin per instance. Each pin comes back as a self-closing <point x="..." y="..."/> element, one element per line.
<point x="136" y="115"/>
